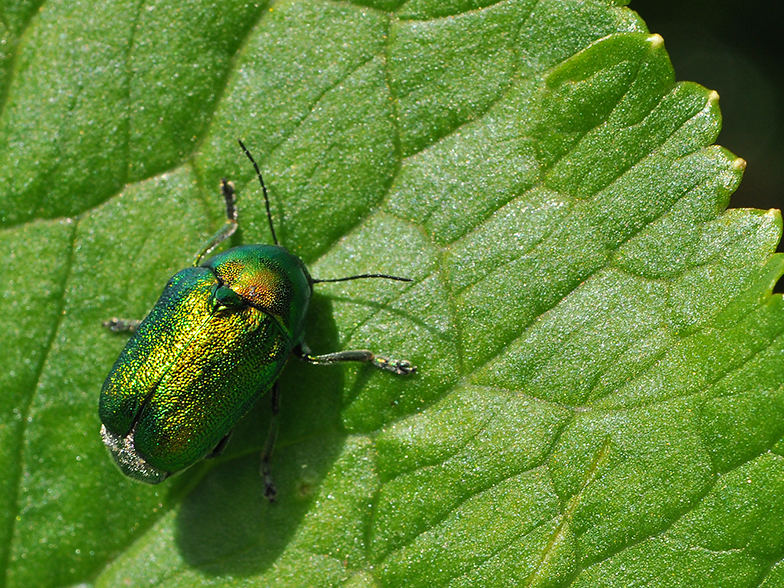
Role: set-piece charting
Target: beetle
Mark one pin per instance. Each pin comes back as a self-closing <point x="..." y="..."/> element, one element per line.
<point x="216" y="340"/>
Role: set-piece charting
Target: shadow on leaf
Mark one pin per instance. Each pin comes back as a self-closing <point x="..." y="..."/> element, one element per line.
<point x="225" y="524"/>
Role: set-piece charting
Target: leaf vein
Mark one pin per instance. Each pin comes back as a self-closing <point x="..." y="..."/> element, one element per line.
<point x="582" y="278"/>
<point x="13" y="507"/>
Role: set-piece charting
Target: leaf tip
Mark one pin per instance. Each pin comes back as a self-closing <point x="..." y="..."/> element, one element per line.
<point x="656" y="40"/>
<point x="739" y="164"/>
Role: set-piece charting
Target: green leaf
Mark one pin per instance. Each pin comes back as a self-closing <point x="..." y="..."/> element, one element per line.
<point x="599" y="399"/>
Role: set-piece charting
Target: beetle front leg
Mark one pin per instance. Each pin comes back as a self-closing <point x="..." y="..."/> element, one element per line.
<point x="270" y="491"/>
<point x="228" y="228"/>
<point x="398" y="366"/>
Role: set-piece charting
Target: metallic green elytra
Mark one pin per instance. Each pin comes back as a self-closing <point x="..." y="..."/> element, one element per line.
<point x="216" y="340"/>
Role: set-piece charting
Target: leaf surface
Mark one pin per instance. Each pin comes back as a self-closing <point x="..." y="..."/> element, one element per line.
<point x="599" y="395"/>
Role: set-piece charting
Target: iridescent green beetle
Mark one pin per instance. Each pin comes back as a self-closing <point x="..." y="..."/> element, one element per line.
<point x="216" y="340"/>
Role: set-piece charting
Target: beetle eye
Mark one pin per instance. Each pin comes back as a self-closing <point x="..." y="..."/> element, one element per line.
<point x="227" y="297"/>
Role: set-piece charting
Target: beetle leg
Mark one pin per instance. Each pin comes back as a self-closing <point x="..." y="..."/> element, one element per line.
<point x="270" y="491"/>
<point x="118" y="325"/>
<point x="228" y="228"/>
<point x="398" y="366"/>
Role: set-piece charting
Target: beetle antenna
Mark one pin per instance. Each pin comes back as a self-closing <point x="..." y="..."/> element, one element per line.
<point x="263" y="189"/>
<point x="385" y="276"/>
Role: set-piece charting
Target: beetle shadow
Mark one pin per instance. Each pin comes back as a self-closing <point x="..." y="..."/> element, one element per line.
<point x="225" y="525"/>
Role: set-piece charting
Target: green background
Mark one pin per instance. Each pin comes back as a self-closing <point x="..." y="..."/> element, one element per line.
<point x="599" y="399"/>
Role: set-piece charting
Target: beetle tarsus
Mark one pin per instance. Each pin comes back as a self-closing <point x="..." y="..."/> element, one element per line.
<point x="270" y="490"/>
<point x="118" y="325"/>
<point x="228" y="228"/>
<point x="227" y="190"/>
<point x="397" y="366"/>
